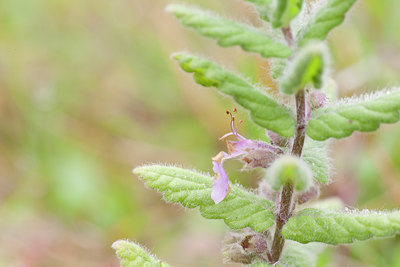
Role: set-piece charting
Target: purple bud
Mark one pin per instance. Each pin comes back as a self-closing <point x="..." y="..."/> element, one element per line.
<point x="244" y="246"/>
<point x="318" y="99"/>
<point x="255" y="243"/>
<point x="276" y="139"/>
<point x="235" y="253"/>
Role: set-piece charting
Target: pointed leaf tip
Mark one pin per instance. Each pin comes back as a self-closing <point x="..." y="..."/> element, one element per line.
<point x="327" y="17"/>
<point x="132" y="254"/>
<point x="364" y="114"/>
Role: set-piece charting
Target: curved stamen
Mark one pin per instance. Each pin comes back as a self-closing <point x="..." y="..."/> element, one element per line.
<point x="233" y="129"/>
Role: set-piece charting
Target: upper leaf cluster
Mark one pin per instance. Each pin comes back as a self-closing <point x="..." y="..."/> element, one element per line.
<point x="300" y="63"/>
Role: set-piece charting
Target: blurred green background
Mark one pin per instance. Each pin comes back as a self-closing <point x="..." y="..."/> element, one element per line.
<point x="87" y="92"/>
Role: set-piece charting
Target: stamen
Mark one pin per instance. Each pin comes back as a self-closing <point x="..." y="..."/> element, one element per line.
<point x="233" y="129"/>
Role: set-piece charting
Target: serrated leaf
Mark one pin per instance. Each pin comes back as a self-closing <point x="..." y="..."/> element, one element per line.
<point x="312" y="225"/>
<point x="264" y="111"/>
<point x="315" y="155"/>
<point x="229" y="33"/>
<point x="327" y="17"/>
<point x="364" y="114"/>
<point x="296" y="255"/>
<point x="239" y="209"/>
<point x="285" y="11"/>
<point x="308" y="66"/>
<point x="133" y="255"/>
<point x="263" y="7"/>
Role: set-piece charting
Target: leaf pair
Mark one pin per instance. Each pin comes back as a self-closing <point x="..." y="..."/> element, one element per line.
<point x="243" y="209"/>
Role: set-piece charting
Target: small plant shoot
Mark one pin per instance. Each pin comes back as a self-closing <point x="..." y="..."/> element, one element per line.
<point x="275" y="225"/>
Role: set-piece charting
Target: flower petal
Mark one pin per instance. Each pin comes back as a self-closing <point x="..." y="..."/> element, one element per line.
<point x="220" y="188"/>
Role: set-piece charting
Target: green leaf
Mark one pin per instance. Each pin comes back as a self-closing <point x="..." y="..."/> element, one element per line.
<point x="364" y="114"/>
<point x="264" y="111"/>
<point x="290" y="169"/>
<point x="229" y="33"/>
<point x="296" y="255"/>
<point x="308" y="66"/>
<point x="331" y="227"/>
<point x="278" y="66"/>
<point x="315" y="155"/>
<point x="239" y="209"/>
<point x="327" y="17"/>
<point x="133" y="255"/>
<point x="263" y="7"/>
<point x="285" y="11"/>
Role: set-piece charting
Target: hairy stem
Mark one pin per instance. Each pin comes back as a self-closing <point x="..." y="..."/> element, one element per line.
<point x="287" y="33"/>
<point x="285" y="206"/>
<point x="301" y="124"/>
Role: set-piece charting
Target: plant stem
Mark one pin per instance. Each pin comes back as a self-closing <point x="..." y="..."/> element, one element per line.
<point x="301" y="124"/>
<point x="285" y="206"/>
<point x="287" y="33"/>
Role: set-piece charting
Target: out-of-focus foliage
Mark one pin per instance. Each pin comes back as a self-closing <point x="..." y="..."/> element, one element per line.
<point x="87" y="92"/>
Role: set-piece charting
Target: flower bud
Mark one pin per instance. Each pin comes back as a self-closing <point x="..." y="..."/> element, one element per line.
<point x="244" y="246"/>
<point x="292" y="170"/>
<point x="276" y="139"/>
<point x="255" y="243"/>
<point x="318" y="99"/>
<point x="235" y="253"/>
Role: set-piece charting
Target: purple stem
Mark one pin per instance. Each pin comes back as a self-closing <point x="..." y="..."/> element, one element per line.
<point x="285" y="207"/>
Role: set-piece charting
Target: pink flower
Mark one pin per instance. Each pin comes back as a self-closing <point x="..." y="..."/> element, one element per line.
<point x="252" y="152"/>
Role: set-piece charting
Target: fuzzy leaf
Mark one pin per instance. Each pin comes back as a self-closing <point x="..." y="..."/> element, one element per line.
<point x="296" y="255"/>
<point x="239" y="209"/>
<point x="363" y="114"/>
<point x="308" y="66"/>
<point x="315" y="155"/>
<point x="264" y="111"/>
<point x="313" y="225"/>
<point x="285" y="11"/>
<point x="278" y="66"/>
<point x="327" y="17"/>
<point x="229" y="33"/>
<point x="263" y="7"/>
<point x="133" y="255"/>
